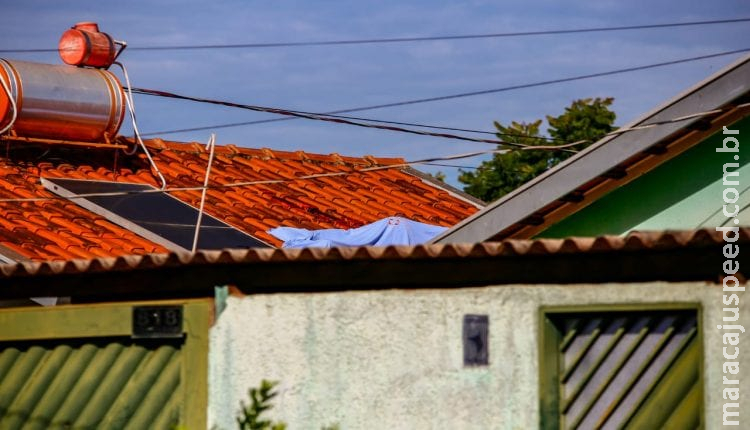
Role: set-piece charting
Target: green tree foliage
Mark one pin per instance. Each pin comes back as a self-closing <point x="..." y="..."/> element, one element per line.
<point x="584" y="120"/>
<point x="440" y="176"/>
<point x="260" y="401"/>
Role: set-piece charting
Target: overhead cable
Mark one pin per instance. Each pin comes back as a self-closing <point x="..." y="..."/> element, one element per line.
<point x="407" y="39"/>
<point x="455" y="166"/>
<point x="381" y="121"/>
<point x="353" y="171"/>
<point x="340" y="120"/>
<point x="264" y="181"/>
<point x="363" y="122"/>
<point x="131" y="108"/>
<point x="452" y="96"/>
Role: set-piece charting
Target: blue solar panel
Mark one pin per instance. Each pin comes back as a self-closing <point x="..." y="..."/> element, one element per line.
<point x="156" y="216"/>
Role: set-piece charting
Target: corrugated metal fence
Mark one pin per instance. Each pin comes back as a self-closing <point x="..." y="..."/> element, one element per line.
<point x="89" y="384"/>
<point x="628" y="370"/>
<point x="83" y="367"/>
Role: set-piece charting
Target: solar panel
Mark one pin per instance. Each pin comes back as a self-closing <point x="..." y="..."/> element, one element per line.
<point x="158" y="217"/>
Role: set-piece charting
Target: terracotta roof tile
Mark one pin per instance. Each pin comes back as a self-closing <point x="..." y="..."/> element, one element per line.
<point x="61" y="230"/>
<point x="660" y="242"/>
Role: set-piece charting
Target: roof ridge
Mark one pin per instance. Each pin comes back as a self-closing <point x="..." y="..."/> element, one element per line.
<point x="264" y="152"/>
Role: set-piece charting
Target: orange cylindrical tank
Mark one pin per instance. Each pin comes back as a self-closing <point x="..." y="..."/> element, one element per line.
<point x="61" y="102"/>
<point x="6" y="109"/>
<point x="85" y="45"/>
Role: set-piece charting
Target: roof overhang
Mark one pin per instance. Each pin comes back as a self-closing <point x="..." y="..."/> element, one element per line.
<point x="638" y="257"/>
<point x="611" y="162"/>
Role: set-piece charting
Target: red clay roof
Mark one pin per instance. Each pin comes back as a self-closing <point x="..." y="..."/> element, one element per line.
<point x="61" y="230"/>
<point x="634" y="242"/>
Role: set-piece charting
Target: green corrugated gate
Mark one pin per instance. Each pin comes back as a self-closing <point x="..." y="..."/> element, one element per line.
<point x="616" y="370"/>
<point x="89" y="384"/>
<point x="78" y="368"/>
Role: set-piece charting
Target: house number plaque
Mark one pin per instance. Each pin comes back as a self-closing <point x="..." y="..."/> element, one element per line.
<point x="157" y="321"/>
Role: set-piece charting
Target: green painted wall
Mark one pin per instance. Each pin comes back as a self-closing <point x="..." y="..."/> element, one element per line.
<point x="682" y="194"/>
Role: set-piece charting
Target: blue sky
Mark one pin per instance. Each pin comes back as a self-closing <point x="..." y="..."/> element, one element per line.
<point x="322" y="79"/>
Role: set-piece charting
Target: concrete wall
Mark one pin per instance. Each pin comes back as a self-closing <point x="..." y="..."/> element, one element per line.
<point x="393" y="359"/>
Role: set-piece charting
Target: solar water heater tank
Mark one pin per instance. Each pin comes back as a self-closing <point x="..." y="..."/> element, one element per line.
<point x="60" y="102"/>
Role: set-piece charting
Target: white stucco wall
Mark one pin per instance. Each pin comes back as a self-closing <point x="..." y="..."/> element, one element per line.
<point x="393" y="359"/>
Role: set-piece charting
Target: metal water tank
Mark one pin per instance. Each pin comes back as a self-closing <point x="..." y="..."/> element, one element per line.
<point x="61" y="102"/>
<point x="85" y="45"/>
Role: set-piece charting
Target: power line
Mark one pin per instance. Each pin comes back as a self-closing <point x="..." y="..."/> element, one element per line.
<point x="341" y="120"/>
<point x="427" y="161"/>
<point x="411" y="124"/>
<point x="352" y="171"/>
<point x="452" y="165"/>
<point x="624" y="130"/>
<point x="355" y="118"/>
<point x="410" y="39"/>
<point x="333" y="114"/>
<point x="549" y="82"/>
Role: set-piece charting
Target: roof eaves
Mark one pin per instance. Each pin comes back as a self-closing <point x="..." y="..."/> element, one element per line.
<point x="717" y="91"/>
<point x="659" y="256"/>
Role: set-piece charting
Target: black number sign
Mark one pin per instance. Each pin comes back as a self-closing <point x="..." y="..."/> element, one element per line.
<point x="476" y="340"/>
<point x="157" y="321"/>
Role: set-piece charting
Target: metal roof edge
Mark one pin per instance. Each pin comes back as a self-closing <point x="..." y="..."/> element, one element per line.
<point x="8" y="255"/>
<point x="479" y="227"/>
<point x="50" y="185"/>
<point x="453" y="191"/>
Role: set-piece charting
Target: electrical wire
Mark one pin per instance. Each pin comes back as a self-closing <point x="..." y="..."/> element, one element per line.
<point x="381" y="121"/>
<point x="550" y="82"/>
<point x="439" y="98"/>
<point x="426" y="161"/>
<point x="130" y="103"/>
<point x="623" y="130"/>
<point x="131" y="108"/>
<point x="321" y="117"/>
<point x="455" y="166"/>
<point x="211" y="147"/>
<point x="264" y="181"/>
<point x="13" y="105"/>
<point x="392" y="40"/>
<point x="340" y="120"/>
